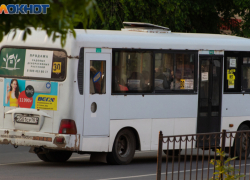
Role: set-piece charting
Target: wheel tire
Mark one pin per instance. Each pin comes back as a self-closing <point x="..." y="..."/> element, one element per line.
<point x="237" y="143"/>
<point x="123" y="148"/>
<point x="43" y="157"/>
<point x="170" y="152"/>
<point x="58" y="156"/>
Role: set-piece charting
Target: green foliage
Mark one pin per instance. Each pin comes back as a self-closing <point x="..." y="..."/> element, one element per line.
<point x="200" y="16"/>
<point x="61" y="17"/>
<point x="179" y="15"/>
<point x="226" y="169"/>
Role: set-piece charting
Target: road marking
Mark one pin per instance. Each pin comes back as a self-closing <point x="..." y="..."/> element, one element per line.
<point x="141" y="152"/>
<point x="128" y="177"/>
<point x="145" y="175"/>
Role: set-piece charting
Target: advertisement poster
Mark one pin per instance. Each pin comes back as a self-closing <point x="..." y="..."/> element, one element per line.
<point x="30" y="94"/>
<point x="231" y="78"/>
<point x="28" y="63"/>
<point x="186" y="84"/>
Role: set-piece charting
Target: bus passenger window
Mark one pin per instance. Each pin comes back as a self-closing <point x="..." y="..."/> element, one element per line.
<point x="131" y="72"/>
<point x="184" y="72"/>
<point x="97" y="77"/>
<point x="174" y="71"/>
<point x="246" y="74"/>
<point x="163" y="68"/>
<point x="59" y="65"/>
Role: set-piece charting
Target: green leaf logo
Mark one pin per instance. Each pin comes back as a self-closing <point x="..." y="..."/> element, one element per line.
<point x="11" y="57"/>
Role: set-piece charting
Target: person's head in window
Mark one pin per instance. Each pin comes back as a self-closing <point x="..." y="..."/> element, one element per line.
<point x="146" y="77"/>
<point x="175" y="84"/>
<point x="158" y="71"/>
<point x="93" y="71"/>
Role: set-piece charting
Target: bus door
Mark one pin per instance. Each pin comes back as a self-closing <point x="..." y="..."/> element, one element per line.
<point x="210" y="90"/>
<point x="97" y="91"/>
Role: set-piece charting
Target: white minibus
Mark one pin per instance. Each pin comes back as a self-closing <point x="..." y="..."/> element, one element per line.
<point x="109" y="93"/>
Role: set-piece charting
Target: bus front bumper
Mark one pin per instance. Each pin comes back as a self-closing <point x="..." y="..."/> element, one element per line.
<point x="69" y="142"/>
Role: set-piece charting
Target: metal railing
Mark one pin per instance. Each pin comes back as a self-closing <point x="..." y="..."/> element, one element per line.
<point x="189" y="156"/>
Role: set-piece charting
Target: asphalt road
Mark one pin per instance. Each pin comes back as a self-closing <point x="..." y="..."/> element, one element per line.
<point x="21" y="165"/>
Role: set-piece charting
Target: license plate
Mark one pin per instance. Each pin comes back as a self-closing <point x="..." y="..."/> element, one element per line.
<point x="27" y="119"/>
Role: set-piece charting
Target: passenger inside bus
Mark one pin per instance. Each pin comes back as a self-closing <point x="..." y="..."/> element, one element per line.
<point x="118" y="81"/>
<point x="175" y="84"/>
<point x="122" y="85"/>
<point x="94" y="87"/>
<point x="161" y="79"/>
<point x="97" y="77"/>
<point x="135" y="81"/>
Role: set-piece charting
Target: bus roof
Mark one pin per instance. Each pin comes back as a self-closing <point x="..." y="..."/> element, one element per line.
<point x="181" y="41"/>
<point x="132" y="40"/>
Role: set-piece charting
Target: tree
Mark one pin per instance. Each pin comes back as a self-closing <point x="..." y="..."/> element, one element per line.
<point x="62" y="16"/>
<point x="200" y="16"/>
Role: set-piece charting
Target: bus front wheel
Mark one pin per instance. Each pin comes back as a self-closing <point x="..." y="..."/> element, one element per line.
<point x="43" y="157"/>
<point x="242" y="142"/>
<point x="55" y="156"/>
<point x="175" y="152"/>
<point x="123" y="148"/>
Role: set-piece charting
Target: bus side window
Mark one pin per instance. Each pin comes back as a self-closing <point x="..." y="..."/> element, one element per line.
<point x="174" y="71"/>
<point x="184" y="72"/>
<point x="59" y="65"/>
<point x="246" y="74"/>
<point x="97" y="77"/>
<point x="163" y="68"/>
<point x="132" y="72"/>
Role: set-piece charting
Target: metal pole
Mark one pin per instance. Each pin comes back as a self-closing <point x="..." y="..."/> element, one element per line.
<point x="223" y="142"/>
<point x="159" y="156"/>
